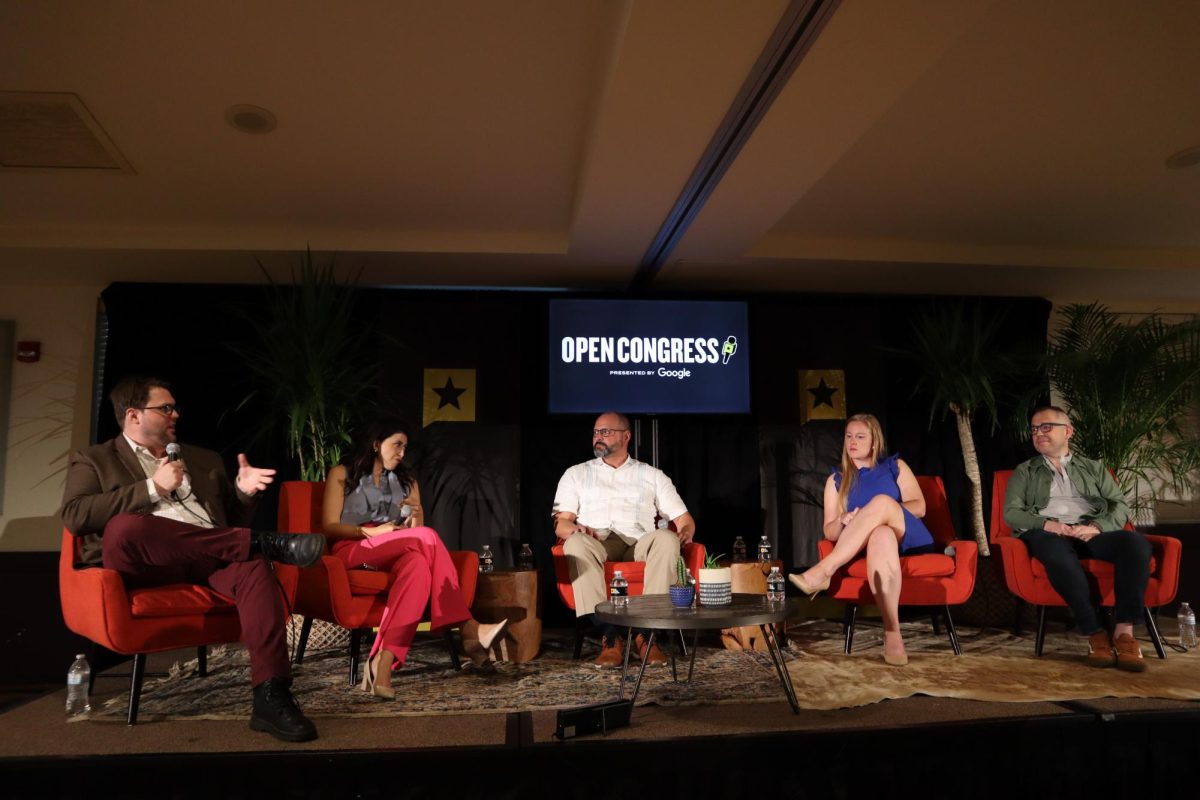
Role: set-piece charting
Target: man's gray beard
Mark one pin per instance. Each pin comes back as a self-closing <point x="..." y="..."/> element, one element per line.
<point x="600" y="451"/>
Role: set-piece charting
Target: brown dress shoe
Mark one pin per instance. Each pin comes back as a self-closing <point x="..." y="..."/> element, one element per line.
<point x="656" y="657"/>
<point x="1129" y="655"/>
<point x="1100" y="650"/>
<point x="612" y="652"/>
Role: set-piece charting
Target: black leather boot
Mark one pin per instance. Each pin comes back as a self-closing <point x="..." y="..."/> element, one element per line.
<point x="301" y="549"/>
<point x="277" y="713"/>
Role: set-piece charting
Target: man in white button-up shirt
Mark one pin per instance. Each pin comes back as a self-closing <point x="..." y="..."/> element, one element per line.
<point x="605" y="510"/>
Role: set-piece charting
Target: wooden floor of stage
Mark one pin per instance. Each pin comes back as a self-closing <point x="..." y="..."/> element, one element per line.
<point x="36" y="739"/>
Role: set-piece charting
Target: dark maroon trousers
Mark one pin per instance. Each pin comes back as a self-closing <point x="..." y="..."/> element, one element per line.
<point x="153" y="551"/>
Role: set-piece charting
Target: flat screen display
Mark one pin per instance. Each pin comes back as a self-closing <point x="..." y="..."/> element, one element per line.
<point x="649" y="357"/>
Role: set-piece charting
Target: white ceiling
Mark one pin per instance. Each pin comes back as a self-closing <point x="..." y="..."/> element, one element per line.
<point x="921" y="145"/>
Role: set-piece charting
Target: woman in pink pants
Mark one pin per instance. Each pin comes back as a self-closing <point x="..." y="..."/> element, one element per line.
<point x="373" y="517"/>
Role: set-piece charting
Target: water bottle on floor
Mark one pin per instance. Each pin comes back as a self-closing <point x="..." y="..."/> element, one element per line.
<point x="618" y="590"/>
<point x="486" y="559"/>
<point x="79" y="677"/>
<point x="525" y="557"/>
<point x="776" y="592"/>
<point x="739" y="549"/>
<point x="1187" y="626"/>
<point x="764" y="549"/>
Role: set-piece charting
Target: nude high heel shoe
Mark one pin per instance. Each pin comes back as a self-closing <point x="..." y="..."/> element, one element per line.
<point x="370" y="684"/>
<point x="478" y="650"/>
<point x="812" y="590"/>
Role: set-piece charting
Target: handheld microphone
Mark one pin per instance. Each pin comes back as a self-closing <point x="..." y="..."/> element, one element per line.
<point x="405" y="511"/>
<point x="173" y="455"/>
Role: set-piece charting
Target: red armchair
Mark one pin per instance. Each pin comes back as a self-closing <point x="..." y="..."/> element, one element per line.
<point x="97" y="606"/>
<point x="632" y="571"/>
<point x="352" y="598"/>
<point x="930" y="579"/>
<point x="1026" y="577"/>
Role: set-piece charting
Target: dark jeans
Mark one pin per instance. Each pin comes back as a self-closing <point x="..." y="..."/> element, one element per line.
<point x="1127" y="551"/>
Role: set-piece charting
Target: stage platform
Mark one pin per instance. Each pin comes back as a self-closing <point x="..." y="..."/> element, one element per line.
<point x="927" y="746"/>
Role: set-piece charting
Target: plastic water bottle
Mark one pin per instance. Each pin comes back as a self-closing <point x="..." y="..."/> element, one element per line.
<point x="525" y="557"/>
<point x="486" y="559"/>
<point x="739" y="549"/>
<point x="776" y="592"/>
<point x="764" y="549"/>
<point x="1187" y="626"/>
<point x="79" y="677"/>
<point x="618" y="590"/>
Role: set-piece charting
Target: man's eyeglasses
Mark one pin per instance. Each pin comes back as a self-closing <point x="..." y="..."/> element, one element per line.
<point x="1045" y="427"/>
<point x="166" y="409"/>
<point x="604" y="433"/>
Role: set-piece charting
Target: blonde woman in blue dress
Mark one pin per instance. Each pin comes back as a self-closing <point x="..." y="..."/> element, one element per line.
<point x="877" y="508"/>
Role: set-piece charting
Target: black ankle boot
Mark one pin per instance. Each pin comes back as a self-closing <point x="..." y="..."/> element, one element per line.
<point x="301" y="549"/>
<point x="277" y="713"/>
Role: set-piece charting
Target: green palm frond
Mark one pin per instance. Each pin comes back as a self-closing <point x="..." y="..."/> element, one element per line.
<point x="1128" y="386"/>
<point x="309" y="363"/>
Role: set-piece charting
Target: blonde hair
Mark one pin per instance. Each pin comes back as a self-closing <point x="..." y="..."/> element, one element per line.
<point x="849" y="470"/>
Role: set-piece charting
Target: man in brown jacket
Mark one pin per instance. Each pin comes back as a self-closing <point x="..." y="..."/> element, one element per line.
<point x="161" y="513"/>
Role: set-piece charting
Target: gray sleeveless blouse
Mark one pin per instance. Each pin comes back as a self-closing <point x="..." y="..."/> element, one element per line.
<point x="371" y="503"/>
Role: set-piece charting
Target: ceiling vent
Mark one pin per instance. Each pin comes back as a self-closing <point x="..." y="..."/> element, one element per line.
<point x="54" y="130"/>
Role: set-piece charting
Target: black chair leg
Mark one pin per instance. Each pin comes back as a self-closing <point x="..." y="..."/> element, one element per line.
<point x="93" y="658"/>
<point x="135" y="686"/>
<point x="1018" y="617"/>
<point x="937" y="629"/>
<point x="848" y="626"/>
<point x="1041" y="631"/>
<point x="579" y="626"/>
<point x="452" y="644"/>
<point x="202" y="661"/>
<point x="303" y="642"/>
<point x="356" y="636"/>
<point x="1152" y="629"/>
<point x="954" y="643"/>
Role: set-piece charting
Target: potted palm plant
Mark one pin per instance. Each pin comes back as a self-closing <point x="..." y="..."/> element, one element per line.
<point x="309" y="364"/>
<point x="957" y="363"/>
<point x="1129" y="386"/>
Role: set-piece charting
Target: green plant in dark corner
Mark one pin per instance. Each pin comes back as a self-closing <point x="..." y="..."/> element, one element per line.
<point x="309" y="364"/>
<point x="957" y="362"/>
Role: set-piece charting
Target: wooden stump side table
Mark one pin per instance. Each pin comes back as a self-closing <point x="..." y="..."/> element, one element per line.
<point x="512" y="594"/>
<point x="750" y="577"/>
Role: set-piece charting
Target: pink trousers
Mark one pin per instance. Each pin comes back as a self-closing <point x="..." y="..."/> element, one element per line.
<point x="422" y="574"/>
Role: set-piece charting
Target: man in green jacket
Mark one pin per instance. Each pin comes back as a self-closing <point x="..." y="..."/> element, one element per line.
<point x="1065" y="508"/>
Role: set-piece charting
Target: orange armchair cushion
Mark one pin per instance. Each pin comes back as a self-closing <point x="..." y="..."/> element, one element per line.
<point x="179" y="600"/>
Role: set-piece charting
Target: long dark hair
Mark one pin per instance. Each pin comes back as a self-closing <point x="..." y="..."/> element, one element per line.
<point x="362" y="462"/>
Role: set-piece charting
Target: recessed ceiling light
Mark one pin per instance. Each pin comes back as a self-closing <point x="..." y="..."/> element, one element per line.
<point x="250" y="119"/>
<point x="1184" y="158"/>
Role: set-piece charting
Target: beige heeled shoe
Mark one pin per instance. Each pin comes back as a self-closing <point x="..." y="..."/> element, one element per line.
<point x="479" y="650"/>
<point x="812" y="590"/>
<point x="896" y="661"/>
<point x="370" y="682"/>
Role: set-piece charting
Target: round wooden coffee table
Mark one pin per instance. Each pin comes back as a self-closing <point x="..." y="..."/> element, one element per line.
<point x="655" y="613"/>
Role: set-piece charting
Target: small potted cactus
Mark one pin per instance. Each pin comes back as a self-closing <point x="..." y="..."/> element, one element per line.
<point x="716" y="582"/>
<point x="682" y="591"/>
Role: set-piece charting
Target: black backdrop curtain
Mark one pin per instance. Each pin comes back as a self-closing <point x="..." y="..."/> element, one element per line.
<point x="493" y="481"/>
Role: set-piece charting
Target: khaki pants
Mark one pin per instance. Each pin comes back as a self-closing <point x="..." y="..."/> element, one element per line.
<point x="586" y="557"/>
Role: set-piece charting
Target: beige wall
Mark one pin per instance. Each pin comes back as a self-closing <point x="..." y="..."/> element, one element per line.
<point x="50" y="407"/>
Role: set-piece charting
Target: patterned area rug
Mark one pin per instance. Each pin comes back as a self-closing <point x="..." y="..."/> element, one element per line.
<point x="995" y="666"/>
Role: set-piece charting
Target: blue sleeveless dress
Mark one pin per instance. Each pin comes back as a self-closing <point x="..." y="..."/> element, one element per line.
<point x="881" y="479"/>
